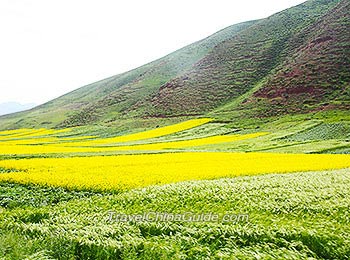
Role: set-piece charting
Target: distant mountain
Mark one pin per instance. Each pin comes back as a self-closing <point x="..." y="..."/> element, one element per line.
<point x="12" y="107"/>
<point x="295" y="61"/>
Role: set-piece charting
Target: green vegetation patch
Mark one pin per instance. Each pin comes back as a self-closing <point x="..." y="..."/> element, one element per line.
<point x="8" y="170"/>
<point x="323" y="132"/>
<point x="291" y="216"/>
<point x="19" y="196"/>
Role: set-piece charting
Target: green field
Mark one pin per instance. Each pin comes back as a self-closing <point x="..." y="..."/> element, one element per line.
<point x="291" y="216"/>
<point x="300" y="215"/>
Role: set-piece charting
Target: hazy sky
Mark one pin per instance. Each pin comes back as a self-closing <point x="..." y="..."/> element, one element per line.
<point x="50" y="47"/>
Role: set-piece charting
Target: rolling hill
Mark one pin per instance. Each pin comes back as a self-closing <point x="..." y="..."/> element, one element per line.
<point x="295" y="61"/>
<point x="112" y="96"/>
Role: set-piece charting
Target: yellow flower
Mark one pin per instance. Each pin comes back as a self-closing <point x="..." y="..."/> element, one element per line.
<point x="130" y="171"/>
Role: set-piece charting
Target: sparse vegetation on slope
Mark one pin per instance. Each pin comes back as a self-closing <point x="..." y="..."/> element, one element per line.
<point x="237" y="65"/>
<point x="316" y="74"/>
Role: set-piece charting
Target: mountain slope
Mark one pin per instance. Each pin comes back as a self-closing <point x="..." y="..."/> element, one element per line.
<point x="295" y="61"/>
<point x="240" y="64"/>
<point x="108" y="98"/>
<point x="316" y="74"/>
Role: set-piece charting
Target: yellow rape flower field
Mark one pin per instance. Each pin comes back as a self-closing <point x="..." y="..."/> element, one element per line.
<point x="16" y="149"/>
<point x="130" y="171"/>
<point x="168" y="162"/>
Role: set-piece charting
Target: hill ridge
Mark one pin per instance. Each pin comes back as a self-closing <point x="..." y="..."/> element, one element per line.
<point x="232" y="73"/>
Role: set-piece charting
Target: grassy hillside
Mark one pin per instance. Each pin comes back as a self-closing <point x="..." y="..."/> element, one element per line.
<point x="243" y="63"/>
<point x="108" y="99"/>
<point x="293" y="62"/>
<point x="316" y="74"/>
